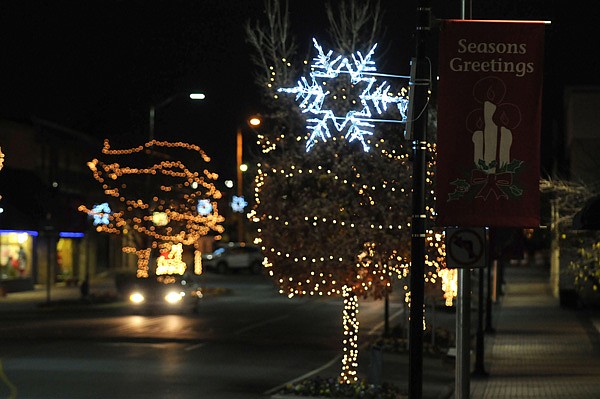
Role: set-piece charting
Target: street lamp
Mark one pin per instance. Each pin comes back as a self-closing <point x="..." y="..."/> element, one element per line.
<point x="153" y="108"/>
<point x="253" y="122"/>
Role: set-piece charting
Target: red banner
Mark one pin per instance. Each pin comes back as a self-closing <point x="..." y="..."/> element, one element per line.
<point x="489" y="117"/>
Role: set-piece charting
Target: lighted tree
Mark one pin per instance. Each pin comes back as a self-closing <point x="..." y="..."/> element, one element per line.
<point x="330" y="223"/>
<point x="333" y="208"/>
<point x="162" y="196"/>
<point x="581" y="247"/>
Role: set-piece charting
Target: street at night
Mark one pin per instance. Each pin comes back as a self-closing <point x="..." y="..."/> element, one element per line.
<point x="276" y="199"/>
<point x="241" y="344"/>
<point x="248" y="341"/>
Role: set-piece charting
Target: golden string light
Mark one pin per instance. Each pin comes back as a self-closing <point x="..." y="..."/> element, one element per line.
<point x="351" y="326"/>
<point x="156" y="197"/>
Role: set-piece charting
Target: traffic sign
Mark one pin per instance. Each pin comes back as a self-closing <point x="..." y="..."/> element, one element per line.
<point x="465" y="247"/>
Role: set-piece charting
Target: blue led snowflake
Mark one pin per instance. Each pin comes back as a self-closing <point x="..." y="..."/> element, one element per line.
<point x="204" y="207"/>
<point x="357" y="124"/>
<point x="100" y="213"/>
<point x="238" y="204"/>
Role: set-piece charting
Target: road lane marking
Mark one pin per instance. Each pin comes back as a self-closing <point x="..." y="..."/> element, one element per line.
<point x="260" y="324"/>
<point x="11" y="387"/>
<point x="380" y="325"/>
<point x="194" y="347"/>
<point x="241" y="331"/>
<point x="159" y="345"/>
<point x="302" y="377"/>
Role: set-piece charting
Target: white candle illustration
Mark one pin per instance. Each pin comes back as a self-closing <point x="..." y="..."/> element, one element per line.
<point x="477" y="146"/>
<point x="490" y="134"/>
<point x="505" y="144"/>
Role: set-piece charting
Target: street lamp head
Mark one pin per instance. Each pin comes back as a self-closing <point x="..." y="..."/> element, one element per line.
<point x="153" y="108"/>
<point x="255" y="121"/>
<point x="244" y="167"/>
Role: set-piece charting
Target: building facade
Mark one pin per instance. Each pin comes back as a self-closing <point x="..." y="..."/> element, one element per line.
<point x="44" y="239"/>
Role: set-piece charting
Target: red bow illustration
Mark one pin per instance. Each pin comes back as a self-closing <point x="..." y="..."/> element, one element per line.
<point x="492" y="183"/>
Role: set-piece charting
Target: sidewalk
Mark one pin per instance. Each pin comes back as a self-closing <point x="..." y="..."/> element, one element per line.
<point x="101" y="286"/>
<point x="539" y="350"/>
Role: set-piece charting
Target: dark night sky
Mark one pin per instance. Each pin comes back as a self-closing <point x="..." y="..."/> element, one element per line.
<point x="97" y="66"/>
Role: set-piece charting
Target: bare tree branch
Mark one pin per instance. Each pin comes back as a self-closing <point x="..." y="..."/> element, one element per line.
<point x="569" y="196"/>
<point x="354" y="25"/>
<point x="274" y="46"/>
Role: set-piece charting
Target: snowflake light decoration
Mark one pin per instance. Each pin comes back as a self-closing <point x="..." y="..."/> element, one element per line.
<point x="238" y="204"/>
<point x="100" y="213"/>
<point x="357" y="123"/>
<point x="204" y="207"/>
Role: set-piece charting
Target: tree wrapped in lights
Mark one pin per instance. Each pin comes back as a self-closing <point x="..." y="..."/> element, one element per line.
<point x="331" y="223"/>
<point x="333" y="212"/>
<point x="158" y="201"/>
<point x="567" y="198"/>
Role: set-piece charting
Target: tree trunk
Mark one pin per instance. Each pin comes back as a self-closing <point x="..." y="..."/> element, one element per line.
<point x="555" y="251"/>
<point x="350" y="323"/>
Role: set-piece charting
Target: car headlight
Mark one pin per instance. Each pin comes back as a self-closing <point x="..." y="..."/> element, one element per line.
<point x="174" y="297"/>
<point x="136" y="297"/>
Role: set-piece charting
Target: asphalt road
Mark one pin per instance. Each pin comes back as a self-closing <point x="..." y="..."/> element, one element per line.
<point x="242" y="344"/>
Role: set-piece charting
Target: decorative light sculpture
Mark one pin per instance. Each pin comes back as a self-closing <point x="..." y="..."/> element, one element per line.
<point x="204" y="207"/>
<point x="154" y="200"/>
<point x="357" y="123"/>
<point x="160" y="218"/>
<point x="170" y="261"/>
<point x="101" y="213"/>
<point x="238" y="203"/>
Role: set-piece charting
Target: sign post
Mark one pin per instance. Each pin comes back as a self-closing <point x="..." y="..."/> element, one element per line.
<point x="465" y="249"/>
<point x="462" y="385"/>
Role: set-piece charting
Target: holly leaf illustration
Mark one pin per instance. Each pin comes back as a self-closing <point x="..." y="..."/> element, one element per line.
<point x="484" y="166"/>
<point x="461" y="185"/>
<point x="513" y="165"/>
<point x="516" y="191"/>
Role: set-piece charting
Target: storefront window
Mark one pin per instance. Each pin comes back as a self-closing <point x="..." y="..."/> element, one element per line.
<point x="15" y="254"/>
<point x="64" y="259"/>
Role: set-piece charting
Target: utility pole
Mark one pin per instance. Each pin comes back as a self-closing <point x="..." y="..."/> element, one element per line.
<point x="420" y="84"/>
<point x="240" y="181"/>
<point x="463" y="305"/>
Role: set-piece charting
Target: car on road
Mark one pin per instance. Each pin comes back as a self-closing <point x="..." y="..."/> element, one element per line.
<point x="180" y="293"/>
<point x="234" y="256"/>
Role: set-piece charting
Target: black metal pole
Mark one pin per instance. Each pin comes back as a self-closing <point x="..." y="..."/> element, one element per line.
<point x="488" y="312"/>
<point x="462" y="385"/>
<point x="480" y="341"/>
<point x="463" y="317"/>
<point x="419" y="93"/>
